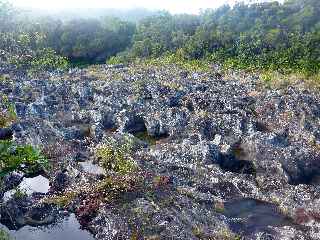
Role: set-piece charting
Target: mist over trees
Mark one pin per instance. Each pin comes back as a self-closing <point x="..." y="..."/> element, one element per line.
<point x="283" y="37"/>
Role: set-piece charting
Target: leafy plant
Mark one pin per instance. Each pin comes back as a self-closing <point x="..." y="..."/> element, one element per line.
<point x="47" y="60"/>
<point x="62" y="201"/>
<point x="22" y="157"/>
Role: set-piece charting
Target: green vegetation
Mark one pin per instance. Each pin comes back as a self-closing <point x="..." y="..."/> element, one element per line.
<point x="219" y="207"/>
<point x="172" y="58"/>
<point x="117" y="184"/>
<point x="258" y="36"/>
<point x="7" y="112"/>
<point x="22" y="157"/>
<point x="19" y="193"/>
<point x="23" y="46"/>
<point x="275" y="39"/>
<point x="224" y="234"/>
<point x="44" y="43"/>
<point x="4" y="235"/>
<point x="115" y="157"/>
<point x="62" y="201"/>
<point x="268" y="37"/>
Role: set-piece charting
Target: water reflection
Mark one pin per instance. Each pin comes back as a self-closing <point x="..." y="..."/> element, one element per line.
<point x="251" y="215"/>
<point x="68" y="229"/>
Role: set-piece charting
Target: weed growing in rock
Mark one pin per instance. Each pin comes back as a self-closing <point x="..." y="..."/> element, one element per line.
<point x="219" y="207"/>
<point x="110" y="190"/>
<point x="226" y="234"/>
<point x="161" y="181"/>
<point x="19" y="193"/>
<point x="116" y="157"/>
<point x="118" y="184"/>
<point x="4" y="78"/>
<point x="22" y="157"/>
<point x="62" y="201"/>
<point x="223" y="234"/>
<point x="7" y="112"/>
<point x="4" y="235"/>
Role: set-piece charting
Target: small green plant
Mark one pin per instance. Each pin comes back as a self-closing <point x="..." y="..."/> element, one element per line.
<point x="226" y="234"/>
<point x="114" y="60"/>
<point x="4" y="77"/>
<point x="4" y="235"/>
<point x="219" y="207"/>
<point x="7" y="112"/>
<point x="116" y="157"/>
<point x="62" y="201"/>
<point x="200" y="65"/>
<point x="116" y="184"/>
<point x="19" y="193"/>
<point x="266" y="77"/>
<point x="198" y="232"/>
<point x="23" y="157"/>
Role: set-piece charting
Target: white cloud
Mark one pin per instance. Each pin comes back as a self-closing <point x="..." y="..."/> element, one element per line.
<point x="175" y="6"/>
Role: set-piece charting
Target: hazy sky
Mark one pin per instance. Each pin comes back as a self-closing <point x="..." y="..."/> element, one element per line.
<point x="175" y="6"/>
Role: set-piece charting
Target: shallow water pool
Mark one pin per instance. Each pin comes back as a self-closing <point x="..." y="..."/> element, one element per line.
<point x="68" y="229"/>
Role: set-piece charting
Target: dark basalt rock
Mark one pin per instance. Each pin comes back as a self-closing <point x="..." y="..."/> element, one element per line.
<point x="108" y="121"/>
<point x="61" y="181"/>
<point x="208" y="148"/>
<point x="134" y="124"/>
<point x="230" y="163"/>
<point x="12" y="180"/>
<point x="20" y="212"/>
<point x="6" y="133"/>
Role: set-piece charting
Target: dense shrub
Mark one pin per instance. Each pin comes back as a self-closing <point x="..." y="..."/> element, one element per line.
<point x="262" y="36"/>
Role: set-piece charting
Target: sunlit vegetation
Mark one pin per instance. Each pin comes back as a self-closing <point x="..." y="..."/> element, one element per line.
<point x="267" y="37"/>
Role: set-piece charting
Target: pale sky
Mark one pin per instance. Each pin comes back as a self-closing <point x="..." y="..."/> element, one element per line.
<point x="174" y="6"/>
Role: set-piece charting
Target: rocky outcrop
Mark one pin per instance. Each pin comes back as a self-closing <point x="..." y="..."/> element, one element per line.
<point x="218" y="156"/>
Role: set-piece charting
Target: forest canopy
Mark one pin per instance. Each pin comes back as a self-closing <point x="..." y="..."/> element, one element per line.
<point x="270" y="35"/>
